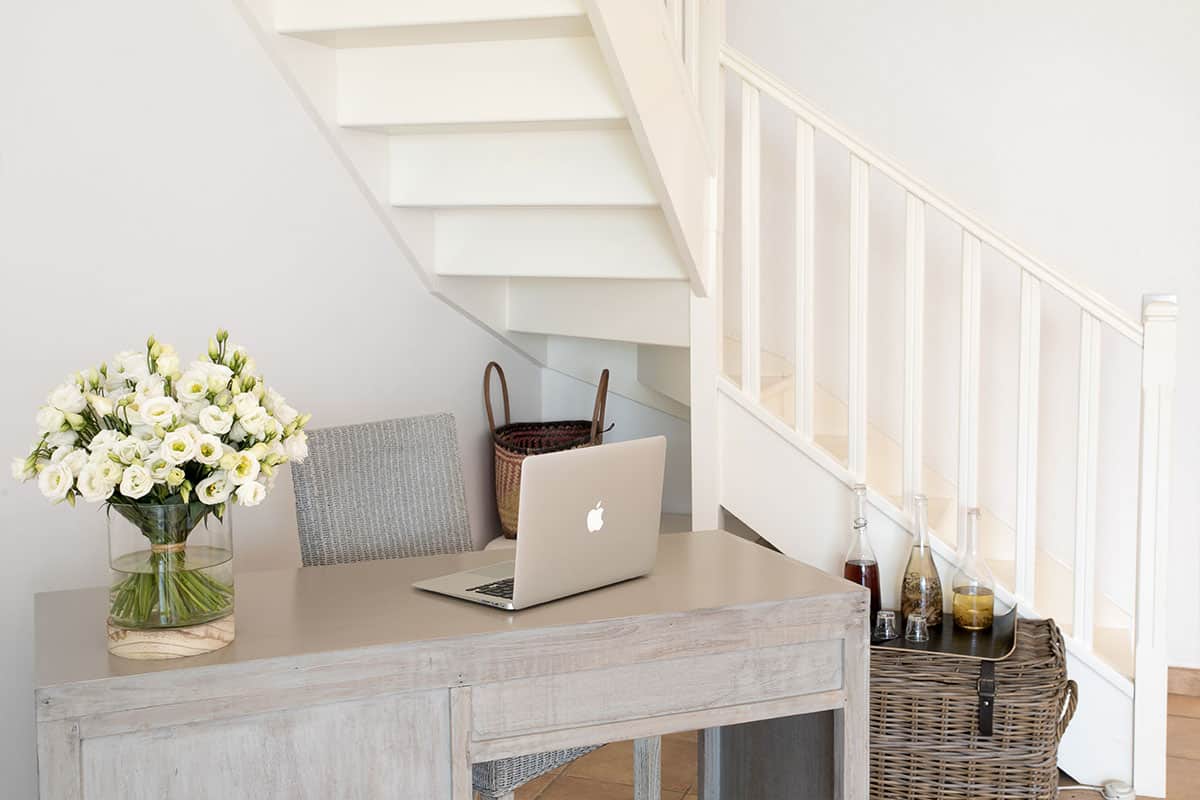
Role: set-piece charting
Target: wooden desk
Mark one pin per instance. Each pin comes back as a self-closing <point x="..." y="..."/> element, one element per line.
<point x="346" y="682"/>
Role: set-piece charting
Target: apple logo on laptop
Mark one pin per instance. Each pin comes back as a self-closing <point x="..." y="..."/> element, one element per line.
<point x="595" y="518"/>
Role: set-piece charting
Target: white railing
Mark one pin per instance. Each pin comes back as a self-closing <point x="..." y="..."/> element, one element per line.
<point x="1154" y="335"/>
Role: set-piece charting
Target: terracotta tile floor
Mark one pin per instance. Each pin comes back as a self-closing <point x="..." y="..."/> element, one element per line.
<point x="607" y="773"/>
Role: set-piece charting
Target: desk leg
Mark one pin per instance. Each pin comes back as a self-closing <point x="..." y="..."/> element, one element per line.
<point x="708" y="760"/>
<point x="851" y="723"/>
<point x="647" y="768"/>
<point x="460" y="744"/>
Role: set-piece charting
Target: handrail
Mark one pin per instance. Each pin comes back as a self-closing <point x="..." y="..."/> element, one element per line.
<point x="1089" y="301"/>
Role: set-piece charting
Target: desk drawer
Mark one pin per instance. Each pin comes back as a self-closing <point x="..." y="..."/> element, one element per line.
<point x="615" y="694"/>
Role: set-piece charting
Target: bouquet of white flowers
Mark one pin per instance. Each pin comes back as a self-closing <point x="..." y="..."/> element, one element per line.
<point x="141" y="433"/>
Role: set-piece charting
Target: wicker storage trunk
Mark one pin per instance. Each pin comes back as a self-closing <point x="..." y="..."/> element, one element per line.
<point x="925" y="736"/>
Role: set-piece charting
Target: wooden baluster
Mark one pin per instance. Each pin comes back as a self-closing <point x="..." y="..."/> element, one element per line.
<point x="1029" y="360"/>
<point x="968" y="396"/>
<point x="860" y="175"/>
<point x="691" y="42"/>
<point x="805" y="238"/>
<point x="914" y="348"/>
<point x="1150" y="691"/>
<point x="1085" y="478"/>
<point x="751" y="233"/>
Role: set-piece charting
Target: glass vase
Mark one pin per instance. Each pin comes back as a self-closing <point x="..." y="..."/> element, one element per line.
<point x="172" y="565"/>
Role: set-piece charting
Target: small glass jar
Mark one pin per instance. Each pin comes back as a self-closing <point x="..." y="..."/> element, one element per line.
<point x="974" y="586"/>
<point x="172" y="565"/>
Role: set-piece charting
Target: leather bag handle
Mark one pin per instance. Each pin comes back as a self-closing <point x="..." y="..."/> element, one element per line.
<point x="598" y="409"/>
<point x="487" y="394"/>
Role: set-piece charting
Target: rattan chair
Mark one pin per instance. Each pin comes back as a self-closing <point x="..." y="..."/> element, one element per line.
<point x="394" y="489"/>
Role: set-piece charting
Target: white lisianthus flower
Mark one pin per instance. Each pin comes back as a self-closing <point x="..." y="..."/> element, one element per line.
<point x="55" y="481"/>
<point x="190" y="430"/>
<point x="272" y="400"/>
<point x="73" y="458"/>
<point x="175" y="477"/>
<point x="159" y="468"/>
<point x="145" y="433"/>
<point x="131" y="450"/>
<point x="178" y="447"/>
<point x="245" y="470"/>
<point x="192" y="387"/>
<point x="192" y="411"/>
<point x="101" y="405"/>
<point x="150" y="386"/>
<point x="22" y="470"/>
<point x="209" y="450"/>
<point x="285" y="414"/>
<point x="215" y="421"/>
<point x="244" y="403"/>
<point x="104" y="441"/>
<point x="93" y="485"/>
<point x="217" y="375"/>
<point x="215" y="489"/>
<point x="50" y="419"/>
<point x="108" y="471"/>
<point x="251" y="494"/>
<point x="162" y="411"/>
<point x="167" y="365"/>
<point x="256" y="421"/>
<point x="136" y="482"/>
<point x="62" y="439"/>
<point x="296" y="447"/>
<point x="67" y="399"/>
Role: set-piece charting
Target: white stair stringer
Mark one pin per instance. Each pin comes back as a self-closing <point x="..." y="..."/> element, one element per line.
<point x="796" y="496"/>
<point x="644" y="312"/>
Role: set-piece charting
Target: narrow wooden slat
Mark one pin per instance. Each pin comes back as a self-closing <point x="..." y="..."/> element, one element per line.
<point x="691" y="42"/>
<point x="461" y="787"/>
<point x="675" y="17"/>
<point x="805" y="239"/>
<point x="751" y="232"/>
<point x="1152" y="620"/>
<point x="1085" y="478"/>
<point x="968" y="395"/>
<point x="647" y="768"/>
<point x="860" y="173"/>
<point x="1029" y="360"/>
<point x="914" y="348"/>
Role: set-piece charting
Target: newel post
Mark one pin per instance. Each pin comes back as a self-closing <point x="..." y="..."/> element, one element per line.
<point x="1159" y="314"/>
<point x="707" y="328"/>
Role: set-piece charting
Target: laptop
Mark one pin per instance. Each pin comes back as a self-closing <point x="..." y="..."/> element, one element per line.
<point x="588" y="518"/>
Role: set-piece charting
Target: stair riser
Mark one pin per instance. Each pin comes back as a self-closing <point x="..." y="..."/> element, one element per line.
<point x="483" y="83"/>
<point x="582" y="243"/>
<point x="543" y="168"/>
<point x="645" y="312"/>
<point x="318" y="16"/>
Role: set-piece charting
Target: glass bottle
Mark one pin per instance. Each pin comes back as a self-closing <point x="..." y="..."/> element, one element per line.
<point x="861" y="565"/>
<point x="921" y="589"/>
<point x="973" y="585"/>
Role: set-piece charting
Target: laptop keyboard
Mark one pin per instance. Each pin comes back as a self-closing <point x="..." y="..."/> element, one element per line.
<point x="502" y="589"/>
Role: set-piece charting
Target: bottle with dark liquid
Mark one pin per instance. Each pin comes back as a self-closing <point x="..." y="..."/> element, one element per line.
<point x="921" y="589"/>
<point x="974" y="585"/>
<point x="861" y="566"/>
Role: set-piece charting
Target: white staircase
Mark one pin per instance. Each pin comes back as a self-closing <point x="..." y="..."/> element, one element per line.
<point x="790" y="448"/>
<point x="540" y="162"/>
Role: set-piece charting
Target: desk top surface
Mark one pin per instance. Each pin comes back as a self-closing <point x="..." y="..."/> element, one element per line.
<point x="292" y="612"/>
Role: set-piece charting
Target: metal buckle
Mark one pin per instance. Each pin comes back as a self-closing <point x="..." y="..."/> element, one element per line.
<point x="986" y="687"/>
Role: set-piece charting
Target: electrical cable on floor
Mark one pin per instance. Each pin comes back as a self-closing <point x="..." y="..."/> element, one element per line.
<point x="1111" y="790"/>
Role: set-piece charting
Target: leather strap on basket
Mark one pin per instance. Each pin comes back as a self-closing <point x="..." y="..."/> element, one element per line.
<point x="987" y="696"/>
<point x="597" y="409"/>
<point x="487" y="394"/>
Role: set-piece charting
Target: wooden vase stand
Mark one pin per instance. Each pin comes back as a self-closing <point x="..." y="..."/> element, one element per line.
<point x="162" y="643"/>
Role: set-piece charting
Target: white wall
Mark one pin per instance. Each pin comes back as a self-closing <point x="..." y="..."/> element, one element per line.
<point x="1070" y="127"/>
<point x="157" y="176"/>
<point x="565" y="397"/>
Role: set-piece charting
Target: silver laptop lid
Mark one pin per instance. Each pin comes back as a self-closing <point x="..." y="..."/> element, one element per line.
<point x="588" y="518"/>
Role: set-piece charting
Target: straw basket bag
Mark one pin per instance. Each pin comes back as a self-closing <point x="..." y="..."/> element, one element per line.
<point x="514" y="441"/>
